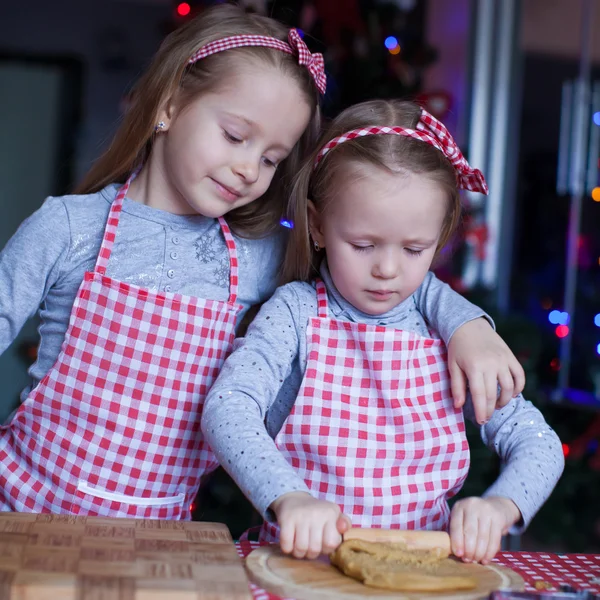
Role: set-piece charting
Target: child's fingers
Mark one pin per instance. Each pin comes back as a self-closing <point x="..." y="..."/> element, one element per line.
<point x="315" y="543"/>
<point x="506" y="381"/>
<point x="518" y="373"/>
<point x="470" y="532"/>
<point x="491" y="392"/>
<point x="286" y="538"/>
<point x="343" y="523"/>
<point x="457" y="531"/>
<point x="478" y="395"/>
<point x="484" y="527"/>
<point x="494" y="544"/>
<point x="458" y="382"/>
<point x="301" y="541"/>
<point x="331" y="537"/>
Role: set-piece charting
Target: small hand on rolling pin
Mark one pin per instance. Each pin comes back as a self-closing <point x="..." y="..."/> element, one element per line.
<point x="309" y="527"/>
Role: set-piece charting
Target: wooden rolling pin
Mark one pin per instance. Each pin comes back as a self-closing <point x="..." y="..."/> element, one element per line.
<point x="414" y="540"/>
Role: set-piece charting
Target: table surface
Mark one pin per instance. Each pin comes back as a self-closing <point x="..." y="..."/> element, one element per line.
<point x="582" y="571"/>
<point x="67" y="557"/>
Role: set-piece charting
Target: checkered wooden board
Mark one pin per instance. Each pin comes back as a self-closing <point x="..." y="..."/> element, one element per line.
<point x="50" y="557"/>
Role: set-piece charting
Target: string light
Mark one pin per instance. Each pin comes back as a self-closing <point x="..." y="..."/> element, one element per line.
<point x="555" y="364"/>
<point x="558" y="317"/>
<point x="598" y="349"/>
<point x="391" y="43"/>
<point x="596" y="194"/>
<point x="566" y="449"/>
<point x="597" y="320"/>
<point x="183" y="9"/>
<point x="562" y="331"/>
<point x="596" y="118"/>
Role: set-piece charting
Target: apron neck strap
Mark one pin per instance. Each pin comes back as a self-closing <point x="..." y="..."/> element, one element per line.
<point x="110" y="233"/>
<point x="233" y="260"/>
<point x="322" y="303"/>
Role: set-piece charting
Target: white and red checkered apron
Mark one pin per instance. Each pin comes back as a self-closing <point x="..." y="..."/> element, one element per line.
<point x="113" y="429"/>
<point x="374" y="428"/>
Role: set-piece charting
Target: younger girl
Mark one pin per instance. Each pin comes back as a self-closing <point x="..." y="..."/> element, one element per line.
<point x="366" y="431"/>
<point x="140" y="282"/>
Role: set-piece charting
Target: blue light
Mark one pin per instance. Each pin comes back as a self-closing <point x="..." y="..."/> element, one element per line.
<point x="286" y="223"/>
<point x="390" y="42"/>
<point x="598" y="348"/>
<point x="554" y="317"/>
<point x="557" y="317"/>
<point x="597" y="320"/>
<point x="597" y="118"/>
<point x="300" y="33"/>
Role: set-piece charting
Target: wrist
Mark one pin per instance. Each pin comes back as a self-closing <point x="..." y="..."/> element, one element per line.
<point x="510" y="510"/>
<point x="277" y="504"/>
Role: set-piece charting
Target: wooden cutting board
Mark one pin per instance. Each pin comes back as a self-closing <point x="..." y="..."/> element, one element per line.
<point x="52" y="557"/>
<point x="318" y="580"/>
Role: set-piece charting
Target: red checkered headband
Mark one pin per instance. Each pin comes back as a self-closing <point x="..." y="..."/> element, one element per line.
<point x="294" y="46"/>
<point x="428" y="130"/>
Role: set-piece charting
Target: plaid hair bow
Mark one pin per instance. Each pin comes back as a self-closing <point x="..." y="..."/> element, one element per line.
<point x="296" y="47"/>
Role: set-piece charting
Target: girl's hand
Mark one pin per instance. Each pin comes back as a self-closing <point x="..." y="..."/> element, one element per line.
<point x="478" y="354"/>
<point x="309" y="527"/>
<point x="478" y="524"/>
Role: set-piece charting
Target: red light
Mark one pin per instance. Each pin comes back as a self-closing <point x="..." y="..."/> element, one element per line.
<point x="566" y="450"/>
<point x="183" y="9"/>
<point x="562" y="331"/>
<point x="555" y="364"/>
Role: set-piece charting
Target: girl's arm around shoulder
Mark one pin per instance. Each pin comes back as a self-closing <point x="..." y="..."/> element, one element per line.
<point x="233" y="420"/>
<point x="476" y="353"/>
<point x="445" y="309"/>
<point x="531" y="454"/>
<point x="30" y="264"/>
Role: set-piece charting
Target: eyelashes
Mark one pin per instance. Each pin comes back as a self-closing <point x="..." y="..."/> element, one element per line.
<point x="410" y="251"/>
<point x="236" y="140"/>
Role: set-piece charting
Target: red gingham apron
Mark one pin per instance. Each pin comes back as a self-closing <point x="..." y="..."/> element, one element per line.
<point x="113" y="429"/>
<point x="374" y="428"/>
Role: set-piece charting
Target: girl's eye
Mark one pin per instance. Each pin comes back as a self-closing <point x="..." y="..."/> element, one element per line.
<point x="361" y="248"/>
<point x="414" y="252"/>
<point x="270" y="163"/>
<point x="232" y="138"/>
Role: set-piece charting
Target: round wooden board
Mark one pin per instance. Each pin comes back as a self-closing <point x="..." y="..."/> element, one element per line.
<point x="319" y="580"/>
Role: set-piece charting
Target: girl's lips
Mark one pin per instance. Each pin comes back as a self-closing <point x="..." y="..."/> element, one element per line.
<point x="381" y="294"/>
<point x="225" y="192"/>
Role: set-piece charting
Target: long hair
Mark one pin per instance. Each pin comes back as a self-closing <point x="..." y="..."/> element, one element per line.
<point x="393" y="153"/>
<point x="169" y="76"/>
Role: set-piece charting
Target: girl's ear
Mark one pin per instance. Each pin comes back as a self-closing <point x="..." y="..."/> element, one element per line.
<point x="315" y="224"/>
<point x="166" y="112"/>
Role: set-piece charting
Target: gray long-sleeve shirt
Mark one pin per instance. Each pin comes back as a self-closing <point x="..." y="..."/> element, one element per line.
<point x="42" y="265"/>
<point x="259" y="382"/>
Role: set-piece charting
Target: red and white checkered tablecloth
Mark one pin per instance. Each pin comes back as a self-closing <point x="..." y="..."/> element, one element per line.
<point x="582" y="571"/>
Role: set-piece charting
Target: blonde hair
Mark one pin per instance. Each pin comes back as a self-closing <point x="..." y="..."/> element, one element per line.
<point x="394" y="153"/>
<point x="169" y="77"/>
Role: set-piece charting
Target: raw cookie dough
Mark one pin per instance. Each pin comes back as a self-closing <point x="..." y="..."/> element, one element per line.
<point x="393" y="567"/>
